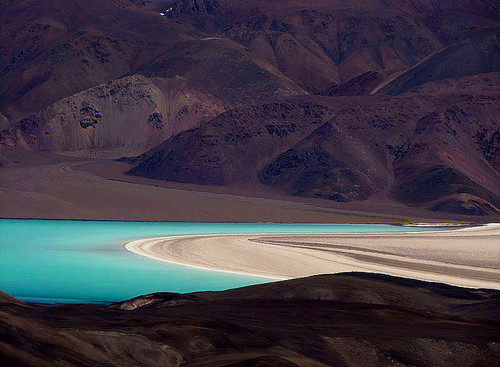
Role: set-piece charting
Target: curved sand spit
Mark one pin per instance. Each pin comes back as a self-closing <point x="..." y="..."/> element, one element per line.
<point x="466" y="257"/>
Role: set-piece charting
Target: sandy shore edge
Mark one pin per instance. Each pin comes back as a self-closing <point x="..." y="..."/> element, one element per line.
<point x="468" y="257"/>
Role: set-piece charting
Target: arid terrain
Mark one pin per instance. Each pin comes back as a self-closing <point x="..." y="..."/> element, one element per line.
<point x="317" y="111"/>
<point x="350" y="319"/>
<point x="367" y="102"/>
<point x="45" y="185"/>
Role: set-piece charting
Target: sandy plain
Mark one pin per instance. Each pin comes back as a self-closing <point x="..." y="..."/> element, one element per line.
<point x="468" y="257"/>
<point x="50" y="186"/>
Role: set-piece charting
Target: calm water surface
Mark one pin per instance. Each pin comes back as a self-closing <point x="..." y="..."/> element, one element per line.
<point x="59" y="261"/>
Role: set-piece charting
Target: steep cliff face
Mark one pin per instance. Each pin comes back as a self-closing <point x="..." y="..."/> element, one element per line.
<point x="133" y="111"/>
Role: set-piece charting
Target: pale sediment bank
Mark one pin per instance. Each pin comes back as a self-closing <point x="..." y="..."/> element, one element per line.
<point x="467" y="257"/>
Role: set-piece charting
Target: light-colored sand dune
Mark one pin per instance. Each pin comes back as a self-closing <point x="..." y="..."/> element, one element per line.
<point x="467" y="257"/>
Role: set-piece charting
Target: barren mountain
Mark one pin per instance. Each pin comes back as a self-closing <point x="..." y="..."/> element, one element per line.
<point x="131" y="111"/>
<point x="232" y="146"/>
<point x="354" y="148"/>
<point x="475" y="55"/>
<point x="221" y="92"/>
<point x="322" y="43"/>
<point x="54" y="50"/>
<point x="67" y="70"/>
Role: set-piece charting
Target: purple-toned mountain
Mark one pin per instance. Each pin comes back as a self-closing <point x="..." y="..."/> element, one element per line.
<point x="477" y="54"/>
<point x="323" y="43"/>
<point x="222" y="92"/>
<point x="149" y="77"/>
<point x="440" y="152"/>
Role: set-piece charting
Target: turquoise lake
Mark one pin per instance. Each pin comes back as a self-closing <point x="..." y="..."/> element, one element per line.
<point x="66" y="261"/>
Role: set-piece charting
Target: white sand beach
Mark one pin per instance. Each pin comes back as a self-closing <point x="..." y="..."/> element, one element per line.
<point x="468" y="257"/>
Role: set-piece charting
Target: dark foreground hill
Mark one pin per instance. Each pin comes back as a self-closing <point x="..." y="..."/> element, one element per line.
<point x="350" y="319"/>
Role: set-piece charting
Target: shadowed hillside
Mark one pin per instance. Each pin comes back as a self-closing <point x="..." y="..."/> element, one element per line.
<point x="353" y="319"/>
<point x="231" y="147"/>
<point x="322" y="43"/>
<point x="476" y="55"/>
<point x="377" y="144"/>
<point x="226" y="93"/>
<point x="111" y="74"/>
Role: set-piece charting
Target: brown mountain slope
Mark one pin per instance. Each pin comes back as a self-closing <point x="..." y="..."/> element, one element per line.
<point x="475" y="55"/>
<point x="221" y="67"/>
<point x="351" y="319"/>
<point x="480" y="83"/>
<point x="229" y="80"/>
<point x="53" y="51"/>
<point x="149" y="77"/>
<point x="133" y="111"/>
<point x="231" y="147"/>
<point x="323" y="43"/>
<point x="362" y="150"/>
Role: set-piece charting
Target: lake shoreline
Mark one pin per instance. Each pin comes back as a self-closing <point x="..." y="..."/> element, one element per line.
<point x="461" y="257"/>
<point x="47" y="261"/>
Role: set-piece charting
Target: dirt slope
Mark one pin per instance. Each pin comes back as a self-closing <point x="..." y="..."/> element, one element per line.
<point x="344" y="320"/>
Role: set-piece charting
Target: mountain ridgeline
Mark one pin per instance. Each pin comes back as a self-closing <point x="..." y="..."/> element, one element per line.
<point x="393" y="100"/>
